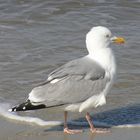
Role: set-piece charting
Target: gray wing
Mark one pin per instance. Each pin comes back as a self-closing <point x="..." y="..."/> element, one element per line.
<point x="78" y="80"/>
<point x="83" y="66"/>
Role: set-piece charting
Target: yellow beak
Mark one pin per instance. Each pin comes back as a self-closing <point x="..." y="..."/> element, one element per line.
<point x="118" y="40"/>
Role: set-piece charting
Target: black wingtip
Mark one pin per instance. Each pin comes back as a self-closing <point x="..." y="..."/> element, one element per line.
<point x="26" y="106"/>
<point x="12" y="109"/>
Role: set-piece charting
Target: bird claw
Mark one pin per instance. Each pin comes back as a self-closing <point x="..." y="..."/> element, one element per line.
<point x="69" y="131"/>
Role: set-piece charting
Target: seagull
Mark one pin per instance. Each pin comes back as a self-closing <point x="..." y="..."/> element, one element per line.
<point x="81" y="84"/>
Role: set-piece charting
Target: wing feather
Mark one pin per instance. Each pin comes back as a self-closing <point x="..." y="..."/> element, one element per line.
<point x="80" y="79"/>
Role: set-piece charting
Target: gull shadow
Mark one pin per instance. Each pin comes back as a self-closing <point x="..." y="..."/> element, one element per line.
<point x="115" y="117"/>
<point x="120" y="116"/>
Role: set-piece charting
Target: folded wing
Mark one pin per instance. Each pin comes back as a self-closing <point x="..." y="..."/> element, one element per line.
<point x="74" y="82"/>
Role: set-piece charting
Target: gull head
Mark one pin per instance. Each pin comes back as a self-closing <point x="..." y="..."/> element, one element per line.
<point x="100" y="37"/>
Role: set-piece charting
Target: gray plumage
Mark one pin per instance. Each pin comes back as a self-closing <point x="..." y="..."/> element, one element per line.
<point x="79" y="80"/>
<point x="80" y="84"/>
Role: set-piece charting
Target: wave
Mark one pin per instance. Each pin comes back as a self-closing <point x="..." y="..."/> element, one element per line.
<point x="37" y="121"/>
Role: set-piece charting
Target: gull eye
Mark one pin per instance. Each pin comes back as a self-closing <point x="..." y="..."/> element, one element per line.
<point x="107" y="36"/>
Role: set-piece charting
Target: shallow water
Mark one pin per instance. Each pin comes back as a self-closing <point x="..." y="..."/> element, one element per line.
<point x="38" y="36"/>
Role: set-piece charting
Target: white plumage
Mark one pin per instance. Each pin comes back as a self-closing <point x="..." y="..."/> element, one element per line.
<point x="81" y="84"/>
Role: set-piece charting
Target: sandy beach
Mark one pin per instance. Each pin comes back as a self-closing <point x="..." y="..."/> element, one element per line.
<point x="38" y="36"/>
<point x="16" y="131"/>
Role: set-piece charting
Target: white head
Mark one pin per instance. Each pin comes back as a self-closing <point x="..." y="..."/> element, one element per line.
<point x="100" y="37"/>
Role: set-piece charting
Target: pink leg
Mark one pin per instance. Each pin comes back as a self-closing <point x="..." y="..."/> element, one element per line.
<point x="92" y="128"/>
<point x="66" y="129"/>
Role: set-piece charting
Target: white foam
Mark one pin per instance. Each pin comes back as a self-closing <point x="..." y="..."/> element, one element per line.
<point x="127" y="126"/>
<point x="34" y="120"/>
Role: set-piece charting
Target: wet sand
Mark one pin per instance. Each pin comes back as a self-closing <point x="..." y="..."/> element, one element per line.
<point x="15" y="131"/>
<point x="37" y="36"/>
